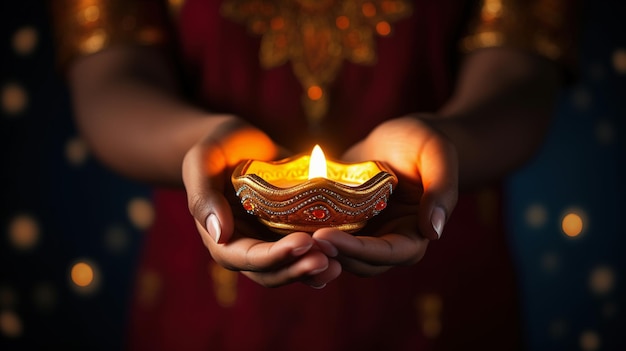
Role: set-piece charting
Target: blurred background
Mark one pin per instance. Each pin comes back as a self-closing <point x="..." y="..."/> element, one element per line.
<point x="71" y="229"/>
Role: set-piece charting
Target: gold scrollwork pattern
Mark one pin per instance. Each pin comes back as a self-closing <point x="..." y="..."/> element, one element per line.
<point x="540" y="26"/>
<point x="85" y="27"/>
<point x="316" y="36"/>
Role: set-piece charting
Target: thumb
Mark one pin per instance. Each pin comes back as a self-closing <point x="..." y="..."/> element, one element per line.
<point x="438" y="167"/>
<point x="204" y="169"/>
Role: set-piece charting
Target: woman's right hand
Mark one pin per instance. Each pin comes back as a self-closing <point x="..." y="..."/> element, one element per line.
<point x="234" y="238"/>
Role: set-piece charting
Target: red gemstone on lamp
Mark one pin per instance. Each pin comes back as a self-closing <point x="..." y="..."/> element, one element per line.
<point x="380" y="206"/>
<point x="248" y="206"/>
<point x="319" y="213"/>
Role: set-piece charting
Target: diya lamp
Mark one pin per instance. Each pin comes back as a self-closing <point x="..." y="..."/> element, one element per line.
<point x="307" y="192"/>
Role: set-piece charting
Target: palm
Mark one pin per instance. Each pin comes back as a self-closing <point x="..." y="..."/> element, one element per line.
<point x="426" y="167"/>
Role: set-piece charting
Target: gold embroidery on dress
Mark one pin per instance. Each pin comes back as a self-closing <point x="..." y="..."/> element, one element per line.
<point x="537" y="25"/>
<point x="316" y="36"/>
<point x="85" y="27"/>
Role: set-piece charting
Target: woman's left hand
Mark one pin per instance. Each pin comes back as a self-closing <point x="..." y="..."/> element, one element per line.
<point x="427" y="168"/>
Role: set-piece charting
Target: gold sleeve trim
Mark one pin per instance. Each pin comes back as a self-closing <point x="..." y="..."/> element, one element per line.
<point x="85" y="27"/>
<point x="541" y="26"/>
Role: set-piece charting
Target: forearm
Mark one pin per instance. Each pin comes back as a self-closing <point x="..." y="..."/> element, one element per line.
<point x="499" y="113"/>
<point x="128" y="109"/>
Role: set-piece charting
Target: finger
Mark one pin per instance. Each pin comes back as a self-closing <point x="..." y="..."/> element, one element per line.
<point x="249" y="254"/>
<point x="361" y="268"/>
<point x="386" y="250"/>
<point x="319" y="281"/>
<point x="203" y="177"/>
<point x="438" y="168"/>
<point x="354" y="154"/>
<point x="313" y="263"/>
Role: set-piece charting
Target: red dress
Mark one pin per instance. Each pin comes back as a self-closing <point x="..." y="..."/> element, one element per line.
<point x="462" y="295"/>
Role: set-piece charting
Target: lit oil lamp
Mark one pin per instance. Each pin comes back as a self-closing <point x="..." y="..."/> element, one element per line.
<point x="307" y="192"/>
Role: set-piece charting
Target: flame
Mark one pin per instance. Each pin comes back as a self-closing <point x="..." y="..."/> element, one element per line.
<point x="317" y="164"/>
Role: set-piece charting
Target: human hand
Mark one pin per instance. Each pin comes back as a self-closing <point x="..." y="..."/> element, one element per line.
<point x="235" y="239"/>
<point x="426" y="165"/>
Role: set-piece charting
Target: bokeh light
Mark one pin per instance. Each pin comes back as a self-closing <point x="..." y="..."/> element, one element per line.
<point x="10" y="324"/>
<point x="429" y="308"/>
<point x="619" y="61"/>
<point x="85" y="277"/>
<point x="25" y="40"/>
<point x="368" y="9"/>
<point x="224" y="284"/>
<point x="589" y="341"/>
<point x="14" y="99"/>
<point x="76" y="151"/>
<point x="82" y="274"/>
<point x="602" y="280"/>
<point x="342" y="22"/>
<point x="149" y="288"/>
<point x="572" y="224"/>
<point x="315" y="92"/>
<point x="89" y="14"/>
<point x="140" y="212"/>
<point x="24" y="232"/>
<point x="96" y="41"/>
<point x="536" y="216"/>
<point x="383" y="28"/>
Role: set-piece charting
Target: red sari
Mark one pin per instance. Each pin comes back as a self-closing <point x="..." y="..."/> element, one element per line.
<point x="462" y="295"/>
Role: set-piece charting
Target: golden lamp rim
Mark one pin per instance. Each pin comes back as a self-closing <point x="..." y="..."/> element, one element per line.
<point x="358" y="186"/>
<point x="240" y="174"/>
<point x="286" y="228"/>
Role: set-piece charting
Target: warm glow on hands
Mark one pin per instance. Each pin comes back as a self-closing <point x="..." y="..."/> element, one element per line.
<point x="317" y="164"/>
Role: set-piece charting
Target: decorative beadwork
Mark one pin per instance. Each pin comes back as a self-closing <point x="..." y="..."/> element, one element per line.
<point x="317" y="213"/>
<point x="315" y="203"/>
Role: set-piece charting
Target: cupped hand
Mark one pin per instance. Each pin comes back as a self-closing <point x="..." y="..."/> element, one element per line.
<point x="427" y="169"/>
<point x="234" y="238"/>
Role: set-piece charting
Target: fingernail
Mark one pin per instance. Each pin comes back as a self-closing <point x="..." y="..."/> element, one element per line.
<point x="213" y="227"/>
<point x="298" y="251"/>
<point x="438" y="220"/>
<point x="318" y="271"/>
<point x="327" y="248"/>
<point x="322" y="286"/>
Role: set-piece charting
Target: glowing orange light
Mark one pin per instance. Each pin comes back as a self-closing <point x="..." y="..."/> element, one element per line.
<point x="383" y="28"/>
<point x="10" y="324"/>
<point x="24" y="232"/>
<point x="572" y="225"/>
<point x="91" y="14"/>
<point x="317" y="164"/>
<point x="342" y="22"/>
<point x="315" y="92"/>
<point x="82" y="274"/>
<point x="369" y="9"/>
<point x="277" y="23"/>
